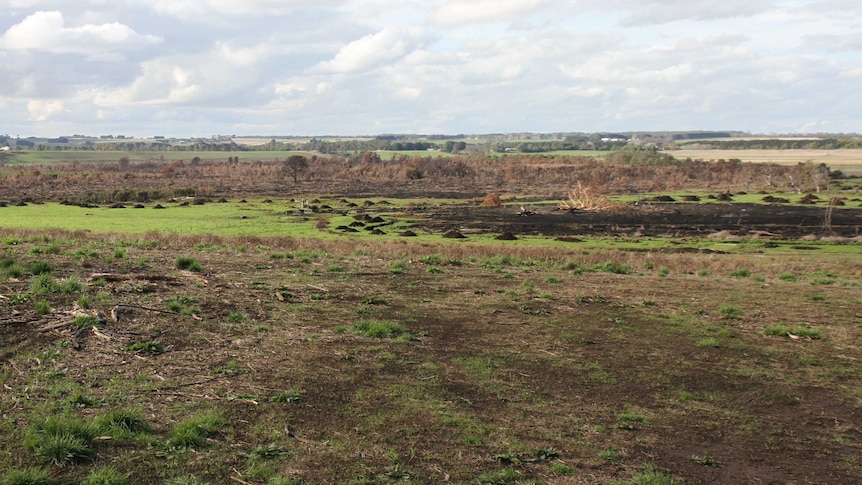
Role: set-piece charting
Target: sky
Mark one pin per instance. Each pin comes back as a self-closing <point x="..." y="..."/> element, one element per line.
<point x="347" y="67"/>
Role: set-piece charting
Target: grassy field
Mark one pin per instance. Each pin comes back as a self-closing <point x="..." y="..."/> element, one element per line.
<point x="204" y="359"/>
<point x="848" y="161"/>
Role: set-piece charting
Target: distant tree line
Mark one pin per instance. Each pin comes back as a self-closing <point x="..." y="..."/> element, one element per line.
<point x="779" y="144"/>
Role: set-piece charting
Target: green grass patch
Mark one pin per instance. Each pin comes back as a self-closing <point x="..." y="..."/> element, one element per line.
<point x="27" y="476"/>
<point x="373" y="328"/>
<point x="194" y="431"/>
<point x="803" y="331"/>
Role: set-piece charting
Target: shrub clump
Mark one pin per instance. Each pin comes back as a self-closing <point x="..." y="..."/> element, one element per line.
<point x="188" y="264"/>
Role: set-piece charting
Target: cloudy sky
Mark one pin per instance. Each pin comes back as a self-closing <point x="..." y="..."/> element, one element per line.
<point x="351" y="67"/>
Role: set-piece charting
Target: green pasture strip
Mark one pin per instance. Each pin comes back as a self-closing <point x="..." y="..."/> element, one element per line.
<point x="219" y="219"/>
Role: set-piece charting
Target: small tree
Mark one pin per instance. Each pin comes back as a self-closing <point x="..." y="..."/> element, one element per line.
<point x="295" y="165"/>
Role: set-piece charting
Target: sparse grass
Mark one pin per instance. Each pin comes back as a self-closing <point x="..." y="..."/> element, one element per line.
<point x="500" y="359"/>
<point x="740" y="273"/>
<point x="27" y="476"/>
<point x="708" y="343"/>
<point x="803" y="331"/>
<point x="288" y="396"/>
<point x="151" y="347"/>
<point x="193" y="432"/>
<point x="374" y="328"/>
<point x="105" y="476"/>
<point x="397" y="267"/>
<point x="730" y="312"/>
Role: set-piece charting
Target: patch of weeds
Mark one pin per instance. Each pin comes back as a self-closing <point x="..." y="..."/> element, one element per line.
<point x="6" y="262"/>
<point x="193" y="432"/>
<point x="374" y="328"/>
<point x="758" y="278"/>
<point x="63" y="441"/>
<point x="629" y="421"/>
<point x="334" y="268"/>
<point x="291" y="395"/>
<point x="611" y="455"/>
<point x="40" y="267"/>
<point x="236" y="317"/>
<point x="151" y="347"/>
<point x="188" y="264"/>
<point x="433" y="260"/>
<point x="374" y="301"/>
<point x="86" y="253"/>
<point x="804" y="331"/>
<point x="284" y="481"/>
<point x="84" y="320"/>
<point x="105" y="476"/>
<point x="740" y="273"/>
<point x="730" y="312"/>
<point x="266" y="452"/>
<point x="85" y="302"/>
<point x="528" y="286"/>
<point x="434" y="270"/>
<point x="663" y="272"/>
<point x="397" y="267"/>
<point x="186" y="480"/>
<point x="15" y="271"/>
<point x="703" y="273"/>
<point x="553" y="280"/>
<point x="563" y="469"/>
<point x="611" y="267"/>
<point x="27" y="476"/>
<point x="708" y="343"/>
<point x="119" y="253"/>
<point x="705" y="460"/>
<point x="364" y="310"/>
<point x="82" y="401"/>
<point x="789" y="277"/>
<point x="823" y="281"/>
<point x="528" y="310"/>
<point x="230" y="368"/>
<point x="262" y="329"/>
<point x="121" y="423"/>
<point x="43" y="284"/>
<point x="817" y="298"/>
<point x="179" y="303"/>
<point x="654" y="477"/>
<point x="43" y="307"/>
<point x="499" y="477"/>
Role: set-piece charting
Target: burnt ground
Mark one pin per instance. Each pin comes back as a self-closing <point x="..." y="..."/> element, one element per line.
<point x="661" y="220"/>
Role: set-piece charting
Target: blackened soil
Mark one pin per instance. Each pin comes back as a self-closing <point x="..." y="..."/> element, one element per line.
<point x="676" y="220"/>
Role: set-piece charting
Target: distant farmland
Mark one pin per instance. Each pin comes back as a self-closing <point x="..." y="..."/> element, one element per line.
<point x="847" y="160"/>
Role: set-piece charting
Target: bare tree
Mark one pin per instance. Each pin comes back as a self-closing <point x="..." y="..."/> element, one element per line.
<point x="295" y="165"/>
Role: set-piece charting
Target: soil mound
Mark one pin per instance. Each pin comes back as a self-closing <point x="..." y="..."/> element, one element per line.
<point x="407" y="233"/>
<point x="506" y="236"/>
<point x="453" y="234"/>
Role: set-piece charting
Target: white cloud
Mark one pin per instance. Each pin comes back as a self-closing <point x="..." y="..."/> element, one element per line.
<point x="471" y="11"/>
<point x="191" y="9"/>
<point x="47" y="32"/>
<point x="42" y="110"/>
<point x="372" y="51"/>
